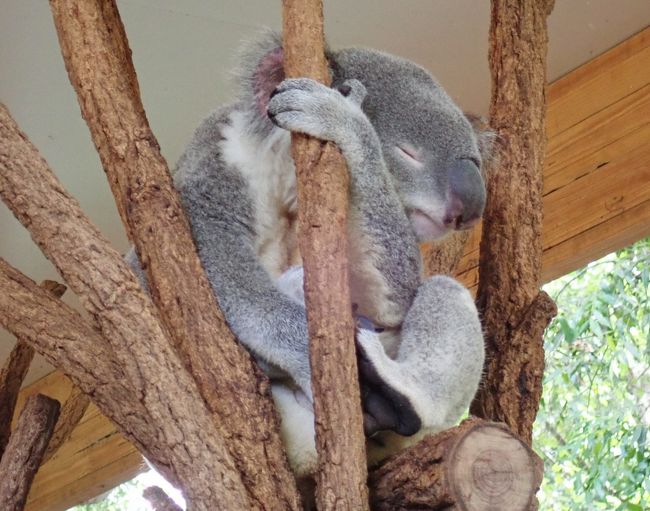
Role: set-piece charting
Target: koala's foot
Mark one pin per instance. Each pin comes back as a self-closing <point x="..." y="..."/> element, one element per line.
<point x="385" y="406"/>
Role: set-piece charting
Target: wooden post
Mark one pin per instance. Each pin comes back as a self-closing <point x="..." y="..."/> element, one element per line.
<point x="322" y="188"/>
<point x="514" y="311"/>
<point x="25" y="450"/>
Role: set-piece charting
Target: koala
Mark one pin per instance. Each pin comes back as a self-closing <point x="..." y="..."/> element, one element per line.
<point x="436" y="361"/>
<point x="415" y="164"/>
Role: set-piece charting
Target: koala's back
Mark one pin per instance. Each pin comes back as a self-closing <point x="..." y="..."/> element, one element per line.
<point x="246" y="181"/>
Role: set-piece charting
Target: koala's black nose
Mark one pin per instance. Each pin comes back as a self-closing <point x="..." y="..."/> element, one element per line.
<point x="466" y="195"/>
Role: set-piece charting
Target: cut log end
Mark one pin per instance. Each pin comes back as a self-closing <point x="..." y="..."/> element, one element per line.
<point x="477" y="466"/>
<point x="490" y="469"/>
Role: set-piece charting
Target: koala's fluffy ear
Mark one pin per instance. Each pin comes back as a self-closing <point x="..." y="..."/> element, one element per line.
<point x="260" y="70"/>
<point x="485" y="135"/>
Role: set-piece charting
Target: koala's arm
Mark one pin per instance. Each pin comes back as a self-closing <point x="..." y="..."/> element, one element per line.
<point x="220" y="211"/>
<point x="384" y="256"/>
<point x="265" y="320"/>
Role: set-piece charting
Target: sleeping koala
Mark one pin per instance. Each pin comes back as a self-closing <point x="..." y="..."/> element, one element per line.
<point x="414" y="161"/>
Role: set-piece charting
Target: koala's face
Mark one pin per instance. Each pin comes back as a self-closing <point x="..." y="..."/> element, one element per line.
<point x="429" y="145"/>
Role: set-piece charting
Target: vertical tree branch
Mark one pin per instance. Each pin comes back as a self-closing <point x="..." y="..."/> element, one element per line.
<point x="71" y="413"/>
<point x="159" y="500"/>
<point x="514" y="311"/>
<point x="322" y="188"/>
<point x="14" y="371"/>
<point x="25" y="450"/>
<point x="98" y="60"/>
<point x="443" y="257"/>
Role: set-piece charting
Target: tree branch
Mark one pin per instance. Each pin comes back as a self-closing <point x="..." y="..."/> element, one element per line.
<point x="25" y="450"/>
<point x="322" y="189"/>
<point x="511" y="250"/>
<point x="235" y="390"/>
<point x="14" y="371"/>
<point x="159" y="500"/>
<point x="177" y="435"/>
<point x="71" y="413"/>
<point x="475" y="466"/>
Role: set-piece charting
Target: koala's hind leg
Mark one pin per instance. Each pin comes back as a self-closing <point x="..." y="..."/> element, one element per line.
<point x="438" y="364"/>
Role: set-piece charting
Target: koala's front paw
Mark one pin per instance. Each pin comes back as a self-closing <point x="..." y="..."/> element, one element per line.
<point x="385" y="406"/>
<point x="307" y="106"/>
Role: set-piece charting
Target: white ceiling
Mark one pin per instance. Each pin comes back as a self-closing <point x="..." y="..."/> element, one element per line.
<point x="183" y="53"/>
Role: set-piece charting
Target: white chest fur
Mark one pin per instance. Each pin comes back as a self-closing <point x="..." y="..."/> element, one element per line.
<point x="267" y="167"/>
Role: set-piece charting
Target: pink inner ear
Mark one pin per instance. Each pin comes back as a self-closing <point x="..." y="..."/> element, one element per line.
<point x="268" y="76"/>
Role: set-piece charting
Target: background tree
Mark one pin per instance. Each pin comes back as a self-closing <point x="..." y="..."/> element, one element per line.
<point x="592" y="429"/>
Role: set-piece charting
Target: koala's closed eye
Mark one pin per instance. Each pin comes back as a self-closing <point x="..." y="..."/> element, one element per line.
<point x="409" y="154"/>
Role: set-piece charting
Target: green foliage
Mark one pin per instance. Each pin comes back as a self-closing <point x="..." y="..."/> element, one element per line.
<point x="592" y="428"/>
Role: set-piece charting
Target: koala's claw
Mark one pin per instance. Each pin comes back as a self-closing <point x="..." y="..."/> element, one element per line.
<point x="354" y="90"/>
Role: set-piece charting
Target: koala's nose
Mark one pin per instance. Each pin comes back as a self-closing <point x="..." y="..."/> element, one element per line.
<point x="466" y="195"/>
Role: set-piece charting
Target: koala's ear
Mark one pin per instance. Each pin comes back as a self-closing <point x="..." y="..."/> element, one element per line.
<point x="485" y="135"/>
<point x="267" y="76"/>
<point x="261" y="70"/>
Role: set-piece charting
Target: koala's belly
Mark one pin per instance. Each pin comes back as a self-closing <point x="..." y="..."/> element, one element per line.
<point x="277" y="243"/>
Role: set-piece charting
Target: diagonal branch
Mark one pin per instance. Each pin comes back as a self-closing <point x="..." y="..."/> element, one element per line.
<point x="235" y="390"/>
<point x="322" y="189"/>
<point x="25" y="450"/>
<point x="134" y="342"/>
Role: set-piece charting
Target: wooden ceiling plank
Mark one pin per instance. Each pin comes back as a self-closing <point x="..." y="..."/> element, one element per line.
<point x="595" y="132"/>
<point x="599" y="83"/>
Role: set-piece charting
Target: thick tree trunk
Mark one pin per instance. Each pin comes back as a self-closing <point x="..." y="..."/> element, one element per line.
<point x="476" y="466"/>
<point x="25" y="450"/>
<point x="322" y="188"/>
<point x="177" y="435"/>
<point x="236" y="391"/>
<point x="13" y="373"/>
<point x="514" y="311"/>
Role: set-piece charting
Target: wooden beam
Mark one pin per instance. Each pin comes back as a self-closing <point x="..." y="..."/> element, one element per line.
<point x="597" y="199"/>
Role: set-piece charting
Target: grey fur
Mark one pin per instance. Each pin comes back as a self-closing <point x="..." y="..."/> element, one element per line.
<point x="379" y="103"/>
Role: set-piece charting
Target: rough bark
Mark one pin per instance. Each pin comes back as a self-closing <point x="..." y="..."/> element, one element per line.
<point x="236" y="391"/>
<point x="25" y="450"/>
<point x="71" y="413"/>
<point x="322" y="188"/>
<point x="13" y="373"/>
<point x="177" y="435"/>
<point x="443" y="257"/>
<point x="159" y="500"/>
<point x="514" y="311"/>
<point x="475" y="466"/>
<point x="11" y="378"/>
